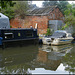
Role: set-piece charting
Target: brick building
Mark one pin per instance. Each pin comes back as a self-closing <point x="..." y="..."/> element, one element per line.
<point x="42" y="17"/>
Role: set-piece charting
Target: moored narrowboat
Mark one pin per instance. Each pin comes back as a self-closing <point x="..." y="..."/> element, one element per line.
<point x="18" y="35"/>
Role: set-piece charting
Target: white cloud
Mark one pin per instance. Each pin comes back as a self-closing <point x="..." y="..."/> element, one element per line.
<point x="38" y="3"/>
<point x="71" y="2"/>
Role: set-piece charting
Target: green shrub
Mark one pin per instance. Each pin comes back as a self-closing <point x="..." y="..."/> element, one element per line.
<point x="48" y="32"/>
<point x="10" y="26"/>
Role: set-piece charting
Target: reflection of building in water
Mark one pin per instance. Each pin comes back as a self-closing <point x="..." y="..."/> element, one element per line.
<point x="44" y="61"/>
<point x="48" y="58"/>
<point x="42" y="56"/>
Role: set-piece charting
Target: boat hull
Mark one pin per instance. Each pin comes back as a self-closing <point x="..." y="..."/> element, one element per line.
<point x="46" y="41"/>
<point x="19" y="43"/>
<point x="61" y="41"/>
<point x="18" y="36"/>
<point x="57" y="41"/>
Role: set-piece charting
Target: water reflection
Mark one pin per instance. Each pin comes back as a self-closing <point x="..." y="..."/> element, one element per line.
<point x="49" y="57"/>
<point x="36" y="59"/>
<point x="69" y="61"/>
<point x="17" y="60"/>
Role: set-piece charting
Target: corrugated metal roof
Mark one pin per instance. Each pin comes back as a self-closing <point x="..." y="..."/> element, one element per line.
<point x="41" y="11"/>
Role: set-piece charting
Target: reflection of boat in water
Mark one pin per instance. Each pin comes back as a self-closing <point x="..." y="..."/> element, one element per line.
<point x="49" y="58"/>
<point x="59" y="37"/>
<point x="61" y="48"/>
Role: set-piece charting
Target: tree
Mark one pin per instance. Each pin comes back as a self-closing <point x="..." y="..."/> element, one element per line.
<point x="70" y="10"/>
<point x="6" y="8"/>
<point x="21" y="8"/>
<point x="61" y="4"/>
<point x="69" y="23"/>
<point x="49" y="3"/>
<point x="69" y="17"/>
<point x="4" y="4"/>
<point x="32" y="6"/>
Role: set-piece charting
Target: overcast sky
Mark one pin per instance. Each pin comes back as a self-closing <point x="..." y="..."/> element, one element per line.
<point x="39" y="3"/>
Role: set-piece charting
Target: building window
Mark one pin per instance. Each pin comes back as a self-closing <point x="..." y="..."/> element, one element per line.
<point x="9" y="35"/>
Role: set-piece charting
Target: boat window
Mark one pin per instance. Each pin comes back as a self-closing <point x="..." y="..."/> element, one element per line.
<point x="19" y="34"/>
<point x="9" y="35"/>
<point x="69" y="35"/>
<point x="59" y="34"/>
<point x="29" y="34"/>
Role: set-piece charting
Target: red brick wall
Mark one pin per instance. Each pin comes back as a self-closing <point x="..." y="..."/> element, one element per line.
<point x="42" y="21"/>
<point x="19" y="23"/>
<point x="56" y="14"/>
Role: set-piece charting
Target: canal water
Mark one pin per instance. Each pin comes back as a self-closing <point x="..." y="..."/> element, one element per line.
<point x="38" y="59"/>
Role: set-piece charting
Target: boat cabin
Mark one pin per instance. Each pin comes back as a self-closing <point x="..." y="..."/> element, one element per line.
<point x="9" y="35"/>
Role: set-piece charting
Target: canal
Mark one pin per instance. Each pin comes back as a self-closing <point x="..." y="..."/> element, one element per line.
<point x="38" y="59"/>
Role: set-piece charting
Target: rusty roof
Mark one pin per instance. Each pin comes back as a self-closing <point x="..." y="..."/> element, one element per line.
<point x="41" y="11"/>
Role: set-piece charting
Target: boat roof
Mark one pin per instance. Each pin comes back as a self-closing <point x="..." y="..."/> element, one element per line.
<point x="17" y="29"/>
<point x="63" y="31"/>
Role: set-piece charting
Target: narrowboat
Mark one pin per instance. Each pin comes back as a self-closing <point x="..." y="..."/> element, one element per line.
<point x="59" y="37"/>
<point x="29" y="35"/>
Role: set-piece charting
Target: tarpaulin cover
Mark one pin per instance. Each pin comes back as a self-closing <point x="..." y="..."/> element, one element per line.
<point x="4" y="21"/>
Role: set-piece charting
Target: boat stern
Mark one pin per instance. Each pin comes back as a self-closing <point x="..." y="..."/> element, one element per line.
<point x="46" y="40"/>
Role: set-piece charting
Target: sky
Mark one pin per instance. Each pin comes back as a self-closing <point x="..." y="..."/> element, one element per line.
<point x="39" y="3"/>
